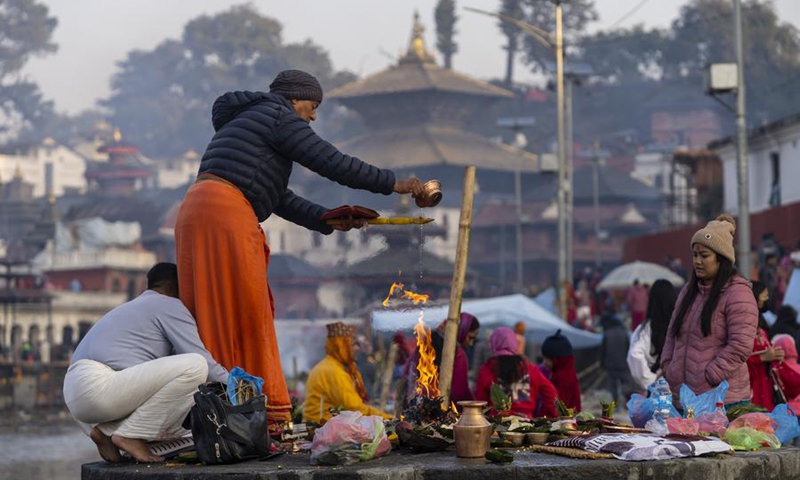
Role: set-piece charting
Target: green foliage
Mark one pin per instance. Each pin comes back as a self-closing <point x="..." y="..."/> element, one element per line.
<point x="161" y="98"/>
<point x="703" y="33"/>
<point x="562" y="409"/>
<point x="607" y="409"/>
<point x="513" y="9"/>
<point x="577" y="14"/>
<point x="445" y="15"/>
<point x="500" y="401"/>
<point x="25" y="31"/>
<point x="634" y="64"/>
<point x="499" y="456"/>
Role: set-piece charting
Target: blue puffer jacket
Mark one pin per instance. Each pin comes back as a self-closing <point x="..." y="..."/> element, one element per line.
<point x="259" y="137"/>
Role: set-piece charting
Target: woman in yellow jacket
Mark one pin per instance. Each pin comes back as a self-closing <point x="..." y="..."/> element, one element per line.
<point x="335" y="382"/>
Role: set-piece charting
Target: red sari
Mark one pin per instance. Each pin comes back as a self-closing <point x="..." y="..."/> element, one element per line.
<point x="565" y="380"/>
<point x="760" y="381"/>
<point x="789" y="371"/>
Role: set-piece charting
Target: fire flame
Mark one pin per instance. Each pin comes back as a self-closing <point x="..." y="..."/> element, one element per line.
<point x="417" y="298"/>
<point x="395" y="286"/>
<point x="428" y="381"/>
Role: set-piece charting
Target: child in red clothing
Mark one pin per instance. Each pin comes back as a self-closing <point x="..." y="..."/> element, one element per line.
<point x="764" y="355"/>
<point x="557" y="353"/>
<point x="520" y="379"/>
<point x="788" y="371"/>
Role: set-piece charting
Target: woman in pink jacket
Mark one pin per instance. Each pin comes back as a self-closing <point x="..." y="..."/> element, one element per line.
<point x="714" y="323"/>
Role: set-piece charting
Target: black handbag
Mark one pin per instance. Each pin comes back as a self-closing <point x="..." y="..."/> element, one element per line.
<point x="778" y="395"/>
<point x="226" y="433"/>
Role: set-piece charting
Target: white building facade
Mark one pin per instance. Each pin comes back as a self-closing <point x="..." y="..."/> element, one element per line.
<point x="774" y="166"/>
<point x="67" y="168"/>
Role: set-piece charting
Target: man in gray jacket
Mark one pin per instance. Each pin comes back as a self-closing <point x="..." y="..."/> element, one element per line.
<point x="132" y="378"/>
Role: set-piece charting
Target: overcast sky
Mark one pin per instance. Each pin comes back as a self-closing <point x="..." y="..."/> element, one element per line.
<point x="360" y="35"/>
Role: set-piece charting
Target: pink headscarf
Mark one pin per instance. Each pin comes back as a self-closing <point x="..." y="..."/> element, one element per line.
<point x="786" y="342"/>
<point x="464" y="327"/>
<point x="503" y="342"/>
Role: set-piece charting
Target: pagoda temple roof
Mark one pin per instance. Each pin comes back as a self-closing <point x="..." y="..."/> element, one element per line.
<point x="427" y="145"/>
<point x="288" y="268"/>
<point x="386" y="263"/>
<point x="417" y="71"/>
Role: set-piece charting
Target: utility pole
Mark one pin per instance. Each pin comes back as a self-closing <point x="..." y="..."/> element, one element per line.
<point x="569" y="178"/>
<point x="562" y="167"/>
<point x="742" y="171"/>
<point x="596" y="194"/>
<point x="516" y="124"/>
<point x="555" y="42"/>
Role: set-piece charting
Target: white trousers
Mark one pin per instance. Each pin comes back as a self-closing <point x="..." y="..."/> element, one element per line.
<point x="147" y="401"/>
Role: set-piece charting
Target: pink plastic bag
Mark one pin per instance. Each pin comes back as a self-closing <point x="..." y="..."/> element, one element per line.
<point x="757" y="421"/>
<point x="348" y="438"/>
<point x="683" y="426"/>
<point x="712" y="423"/>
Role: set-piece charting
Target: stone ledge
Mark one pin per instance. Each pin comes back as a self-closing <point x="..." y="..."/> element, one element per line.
<point x="773" y="464"/>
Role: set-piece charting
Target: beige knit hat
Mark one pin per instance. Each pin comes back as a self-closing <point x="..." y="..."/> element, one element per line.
<point x="718" y="236"/>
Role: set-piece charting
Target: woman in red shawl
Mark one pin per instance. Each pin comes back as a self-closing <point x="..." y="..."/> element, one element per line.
<point x="557" y="353"/>
<point x="764" y="354"/>
<point x="520" y="380"/>
<point x="788" y="371"/>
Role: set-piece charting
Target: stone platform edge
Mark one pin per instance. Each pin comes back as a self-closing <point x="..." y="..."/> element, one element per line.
<point x="783" y="464"/>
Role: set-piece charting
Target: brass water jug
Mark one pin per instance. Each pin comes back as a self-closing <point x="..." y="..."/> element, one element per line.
<point x="472" y="432"/>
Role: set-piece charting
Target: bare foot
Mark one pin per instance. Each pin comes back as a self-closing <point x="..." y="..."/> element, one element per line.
<point x="136" y="448"/>
<point x="105" y="446"/>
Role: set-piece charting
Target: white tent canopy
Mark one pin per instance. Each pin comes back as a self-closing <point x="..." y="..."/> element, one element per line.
<point x="492" y="312"/>
<point x="647" y="273"/>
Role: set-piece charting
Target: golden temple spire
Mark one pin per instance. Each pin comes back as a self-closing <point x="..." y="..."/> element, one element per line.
<point x="416" y="47"/>
<point x="117" y="135"/>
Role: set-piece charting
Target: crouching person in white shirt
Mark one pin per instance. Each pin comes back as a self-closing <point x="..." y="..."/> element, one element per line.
<point x="133" y="376"/>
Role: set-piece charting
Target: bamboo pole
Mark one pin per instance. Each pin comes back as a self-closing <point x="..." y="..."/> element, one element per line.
<point x="457" y="288"/>
<point x="388" y="373"/>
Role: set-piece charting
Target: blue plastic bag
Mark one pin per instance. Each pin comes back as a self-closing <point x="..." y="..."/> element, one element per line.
<point x="641" y="408"/>
<point x="788" y="427"/>
<point x="237" y="374"/>
<point x="705" y="402"/>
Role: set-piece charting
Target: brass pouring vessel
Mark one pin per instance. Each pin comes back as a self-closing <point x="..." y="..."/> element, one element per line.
<point x="431" y="194"/>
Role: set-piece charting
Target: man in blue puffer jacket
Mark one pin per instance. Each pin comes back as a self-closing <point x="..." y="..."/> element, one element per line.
<point x="222" y="254"/>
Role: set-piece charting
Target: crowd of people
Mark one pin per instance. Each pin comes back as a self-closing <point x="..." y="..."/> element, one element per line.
<point x="131" y="379"/>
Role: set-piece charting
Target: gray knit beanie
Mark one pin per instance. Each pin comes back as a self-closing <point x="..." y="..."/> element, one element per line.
<point x="718" y="236"/>
<point x="298" y="85"/>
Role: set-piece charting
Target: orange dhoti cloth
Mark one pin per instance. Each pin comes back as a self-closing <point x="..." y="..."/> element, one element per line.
<point x="222" y="257"/>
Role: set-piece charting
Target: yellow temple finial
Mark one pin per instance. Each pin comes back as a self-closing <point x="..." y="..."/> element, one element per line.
<point x="416" y="48"/>
<point x="117" y="135"/>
